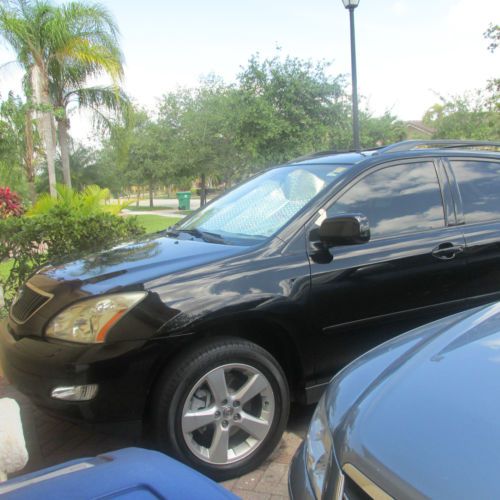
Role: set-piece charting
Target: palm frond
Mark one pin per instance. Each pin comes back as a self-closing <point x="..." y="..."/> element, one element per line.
<point x="110" y="98"/>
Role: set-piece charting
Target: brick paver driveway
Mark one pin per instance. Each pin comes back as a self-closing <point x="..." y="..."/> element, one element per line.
<point x="51" y="441"/>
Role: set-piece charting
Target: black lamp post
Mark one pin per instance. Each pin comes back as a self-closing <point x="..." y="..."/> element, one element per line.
<point x="351" y="5"/>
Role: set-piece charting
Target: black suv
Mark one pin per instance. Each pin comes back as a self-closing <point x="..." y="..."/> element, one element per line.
<point x="206" y="332"/>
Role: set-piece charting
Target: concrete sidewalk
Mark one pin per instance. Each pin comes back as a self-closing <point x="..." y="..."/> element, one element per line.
<point x="167" y="203"/>
<point x="51" y="441"/>
<point x="161" y="213"/>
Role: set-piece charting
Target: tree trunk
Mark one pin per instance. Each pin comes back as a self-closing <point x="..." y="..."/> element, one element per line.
<point x="47" y="130"/>
<point x="151" y="196"/>
<point x="28" y="155"/>
<point x="62" y="130"/>
<point x="41" y="92"/>
<point x="203" y="191"/>
<point x="138" y="198"/>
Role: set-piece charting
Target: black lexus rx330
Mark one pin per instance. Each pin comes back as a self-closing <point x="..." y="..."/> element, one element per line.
<point x="205" y="332"/>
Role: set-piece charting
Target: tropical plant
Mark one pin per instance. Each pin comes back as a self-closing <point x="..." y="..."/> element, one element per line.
<point x="91" y="200"/>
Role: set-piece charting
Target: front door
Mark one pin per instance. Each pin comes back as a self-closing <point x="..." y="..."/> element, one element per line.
<point x="411" y="271"/>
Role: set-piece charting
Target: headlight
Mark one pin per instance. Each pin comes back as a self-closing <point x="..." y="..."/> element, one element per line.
<point x="319" y="449"/>
<point x="89" y="321"/>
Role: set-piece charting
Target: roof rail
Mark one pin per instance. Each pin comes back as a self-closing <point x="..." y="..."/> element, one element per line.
<point x="332" y="152"/>
<point x="436" y="144"/>
<point x="311" y="156"/>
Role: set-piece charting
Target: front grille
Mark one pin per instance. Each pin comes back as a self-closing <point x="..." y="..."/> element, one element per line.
<point x="357" y="486"/>
<point x="353" y="491"/>
<point x="27" y="303"/>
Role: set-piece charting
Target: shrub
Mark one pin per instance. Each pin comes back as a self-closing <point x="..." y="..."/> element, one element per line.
<point x="89" y="201"/>
<point x="61" y="234"/>
<point x="10" y="203"/>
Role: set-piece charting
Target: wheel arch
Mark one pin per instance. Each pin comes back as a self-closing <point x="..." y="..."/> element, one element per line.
<point x="270" y="335"/>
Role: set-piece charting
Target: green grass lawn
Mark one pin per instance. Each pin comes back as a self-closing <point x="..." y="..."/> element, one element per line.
<point x="154" y="223"/>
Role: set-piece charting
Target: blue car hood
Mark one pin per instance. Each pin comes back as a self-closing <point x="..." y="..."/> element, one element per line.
<point x="428" y="424"/>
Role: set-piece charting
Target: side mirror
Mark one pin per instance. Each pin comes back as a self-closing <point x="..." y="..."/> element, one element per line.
<point x="348" y="229"/>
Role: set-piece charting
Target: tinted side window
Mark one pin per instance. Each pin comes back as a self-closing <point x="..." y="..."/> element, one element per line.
<point x="398" y="199"/>
<point x="479" y="183"/>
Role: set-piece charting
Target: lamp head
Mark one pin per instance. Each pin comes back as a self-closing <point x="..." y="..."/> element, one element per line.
<point x="350" y="4"/>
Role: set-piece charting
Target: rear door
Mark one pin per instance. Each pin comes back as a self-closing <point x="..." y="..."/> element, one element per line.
<point x="478" y="207"/>
<point x="411" y="271"/>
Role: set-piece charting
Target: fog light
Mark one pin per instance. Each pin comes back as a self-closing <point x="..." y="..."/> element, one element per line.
<point x="75" y="392"/>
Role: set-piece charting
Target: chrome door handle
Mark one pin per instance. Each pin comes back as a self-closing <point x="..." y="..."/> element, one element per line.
<point x="447" y="251"/>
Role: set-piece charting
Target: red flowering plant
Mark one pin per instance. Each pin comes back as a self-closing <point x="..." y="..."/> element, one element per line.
<point x="10" y="203"/>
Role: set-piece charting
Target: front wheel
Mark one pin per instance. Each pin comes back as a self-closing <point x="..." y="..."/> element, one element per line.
<point x="222" y="408"/>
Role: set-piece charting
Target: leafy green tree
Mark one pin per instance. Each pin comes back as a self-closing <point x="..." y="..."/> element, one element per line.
<point x="380" y="130"/>
<point x="10" y="171"/>
<point x="137" y="154"/>
<point x="148" y="157"/>
<point x="291" y="107"/>
<point x="18" y="142"/>
<point x="113" y="158"/>
<point x="199" y="128"/>
<point x="87" y="169"/>
<point x="492" y="34"/>
<point x="473" y="115"/>
<point x="278" y="109"/>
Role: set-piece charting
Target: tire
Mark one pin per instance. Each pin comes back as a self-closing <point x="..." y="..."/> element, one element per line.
<point x="221" y="408"/>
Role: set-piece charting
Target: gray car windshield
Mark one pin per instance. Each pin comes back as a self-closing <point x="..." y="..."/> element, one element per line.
<point x="255" y="210"/>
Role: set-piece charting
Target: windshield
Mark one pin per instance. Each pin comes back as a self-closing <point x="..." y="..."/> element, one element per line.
<point x="258" y="208"/>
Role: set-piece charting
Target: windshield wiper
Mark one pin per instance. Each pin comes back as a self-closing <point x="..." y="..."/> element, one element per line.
<point x="202" y="235"/>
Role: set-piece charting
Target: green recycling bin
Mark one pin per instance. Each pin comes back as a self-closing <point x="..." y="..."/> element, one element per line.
<point x="184" y="198"/>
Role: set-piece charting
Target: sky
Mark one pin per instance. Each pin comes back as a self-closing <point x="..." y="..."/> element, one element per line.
<point x="408" y="51"/>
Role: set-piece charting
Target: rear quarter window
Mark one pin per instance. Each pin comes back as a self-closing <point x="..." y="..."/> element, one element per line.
<point x="479" y="184"/>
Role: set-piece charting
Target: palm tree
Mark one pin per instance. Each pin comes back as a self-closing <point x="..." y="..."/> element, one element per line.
<point x="69" y="91"/>
<point x="25" y="26"/>
<point x="46" y="39"/>
<point x="68" y="76"/>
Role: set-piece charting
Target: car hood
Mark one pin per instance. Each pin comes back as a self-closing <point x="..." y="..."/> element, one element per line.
<point x="427" y="425"/>
<point x="134" y="263"/>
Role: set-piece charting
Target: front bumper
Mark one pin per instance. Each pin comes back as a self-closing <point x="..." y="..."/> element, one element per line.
<point x="124" y="371"/>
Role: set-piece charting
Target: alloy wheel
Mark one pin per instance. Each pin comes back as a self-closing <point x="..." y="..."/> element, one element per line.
<point x="228" y="413"/>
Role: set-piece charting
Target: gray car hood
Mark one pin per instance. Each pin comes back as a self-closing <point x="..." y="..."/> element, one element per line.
<point x="429" y="424"/>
